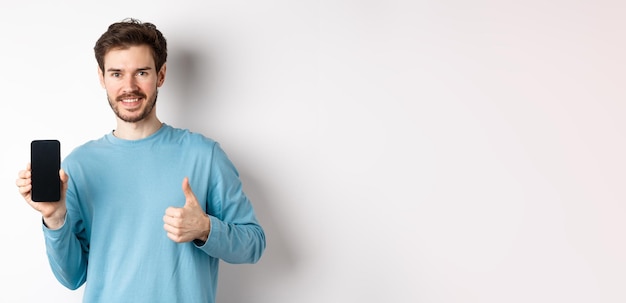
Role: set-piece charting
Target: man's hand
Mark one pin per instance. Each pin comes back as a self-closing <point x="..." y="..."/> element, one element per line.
<point x="187" y="223"/>
<point x="53" y="212"/>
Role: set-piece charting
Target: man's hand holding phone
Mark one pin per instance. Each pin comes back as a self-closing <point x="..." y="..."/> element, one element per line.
<point x="43" y="183"/>
<point x="53" y="213"/>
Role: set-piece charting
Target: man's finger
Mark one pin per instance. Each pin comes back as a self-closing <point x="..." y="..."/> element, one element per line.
<point x="189" y="195"/>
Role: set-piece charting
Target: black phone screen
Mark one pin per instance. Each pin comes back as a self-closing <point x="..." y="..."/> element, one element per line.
<point x="45" y="160"/>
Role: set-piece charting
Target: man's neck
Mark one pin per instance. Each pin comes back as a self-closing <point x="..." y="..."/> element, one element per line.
<point x="136" y="130"/>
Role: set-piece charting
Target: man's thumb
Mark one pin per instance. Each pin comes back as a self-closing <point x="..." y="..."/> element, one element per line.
<point x="189" y="195"/>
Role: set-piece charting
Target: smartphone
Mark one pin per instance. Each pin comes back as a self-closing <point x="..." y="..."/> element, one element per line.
<point x="45" y="162"/>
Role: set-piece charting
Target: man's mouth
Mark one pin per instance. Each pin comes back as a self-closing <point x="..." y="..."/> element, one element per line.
<point x="130" y="100"/>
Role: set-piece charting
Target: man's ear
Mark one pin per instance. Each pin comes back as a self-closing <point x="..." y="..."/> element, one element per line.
<point x="161" y="75"/>
<point x="101" y="77"/>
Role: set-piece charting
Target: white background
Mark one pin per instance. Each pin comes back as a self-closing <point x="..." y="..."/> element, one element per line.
<point x="395" y="151"/>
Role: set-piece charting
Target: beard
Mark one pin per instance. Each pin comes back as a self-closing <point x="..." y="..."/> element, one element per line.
<point x="145" y="112"/>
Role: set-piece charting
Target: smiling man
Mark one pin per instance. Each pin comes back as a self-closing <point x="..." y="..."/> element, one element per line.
<point x="148" y="210"/>
<point x="131" y="84"/>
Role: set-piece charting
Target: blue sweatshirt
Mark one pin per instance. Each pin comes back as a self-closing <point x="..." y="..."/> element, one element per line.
<point x="113" y="238"/>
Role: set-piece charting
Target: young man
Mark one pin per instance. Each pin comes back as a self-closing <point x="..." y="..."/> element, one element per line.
<point x="125" y="226"/>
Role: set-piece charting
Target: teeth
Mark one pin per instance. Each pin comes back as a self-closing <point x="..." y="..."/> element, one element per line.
<point x="130" y="100"/>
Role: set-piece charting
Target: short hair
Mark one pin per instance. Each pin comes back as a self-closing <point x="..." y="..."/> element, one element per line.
<point x="132" y="32"/>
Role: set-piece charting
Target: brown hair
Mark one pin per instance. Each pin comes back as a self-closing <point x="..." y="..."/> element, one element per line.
<point x="132" y="32"/>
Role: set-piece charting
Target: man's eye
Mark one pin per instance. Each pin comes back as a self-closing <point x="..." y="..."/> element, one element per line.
<point x="115" y="75"/>
<point x="142" y="74"/>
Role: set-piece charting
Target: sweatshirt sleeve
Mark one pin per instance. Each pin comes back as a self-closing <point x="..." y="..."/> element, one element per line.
<point x="66" y="254"/>
<point x="236" y="235"/>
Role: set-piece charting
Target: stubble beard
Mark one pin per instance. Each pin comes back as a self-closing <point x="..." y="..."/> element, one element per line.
<point x="133" y="119"/>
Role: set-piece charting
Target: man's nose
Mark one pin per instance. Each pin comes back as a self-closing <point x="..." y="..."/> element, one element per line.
<point x="130" y="84"/>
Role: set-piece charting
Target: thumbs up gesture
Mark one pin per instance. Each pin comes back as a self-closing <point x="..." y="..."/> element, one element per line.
<point x="187" y="223"/>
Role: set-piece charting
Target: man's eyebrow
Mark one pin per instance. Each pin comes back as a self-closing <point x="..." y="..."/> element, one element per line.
<point x="111" y="69"/>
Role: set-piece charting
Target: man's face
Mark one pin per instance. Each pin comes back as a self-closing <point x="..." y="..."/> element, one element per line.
<point x="131" y="82"/>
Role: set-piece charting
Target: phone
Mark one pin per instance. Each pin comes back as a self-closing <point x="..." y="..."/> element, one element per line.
<point x="45" y="163"/>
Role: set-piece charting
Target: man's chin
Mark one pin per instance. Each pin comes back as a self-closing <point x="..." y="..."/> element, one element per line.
<point x="132" y="115"/>
<point x="130" y="118"/>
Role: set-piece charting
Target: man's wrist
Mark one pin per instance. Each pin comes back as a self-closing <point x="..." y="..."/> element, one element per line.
<point x="54" y="221"/>
<point x="205" y="235"/>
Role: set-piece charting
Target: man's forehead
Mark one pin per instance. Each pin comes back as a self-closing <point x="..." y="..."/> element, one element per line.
<point x="133" y="57"/>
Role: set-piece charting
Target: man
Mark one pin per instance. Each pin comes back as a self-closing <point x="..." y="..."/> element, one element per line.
<point x="125" y="226"/>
